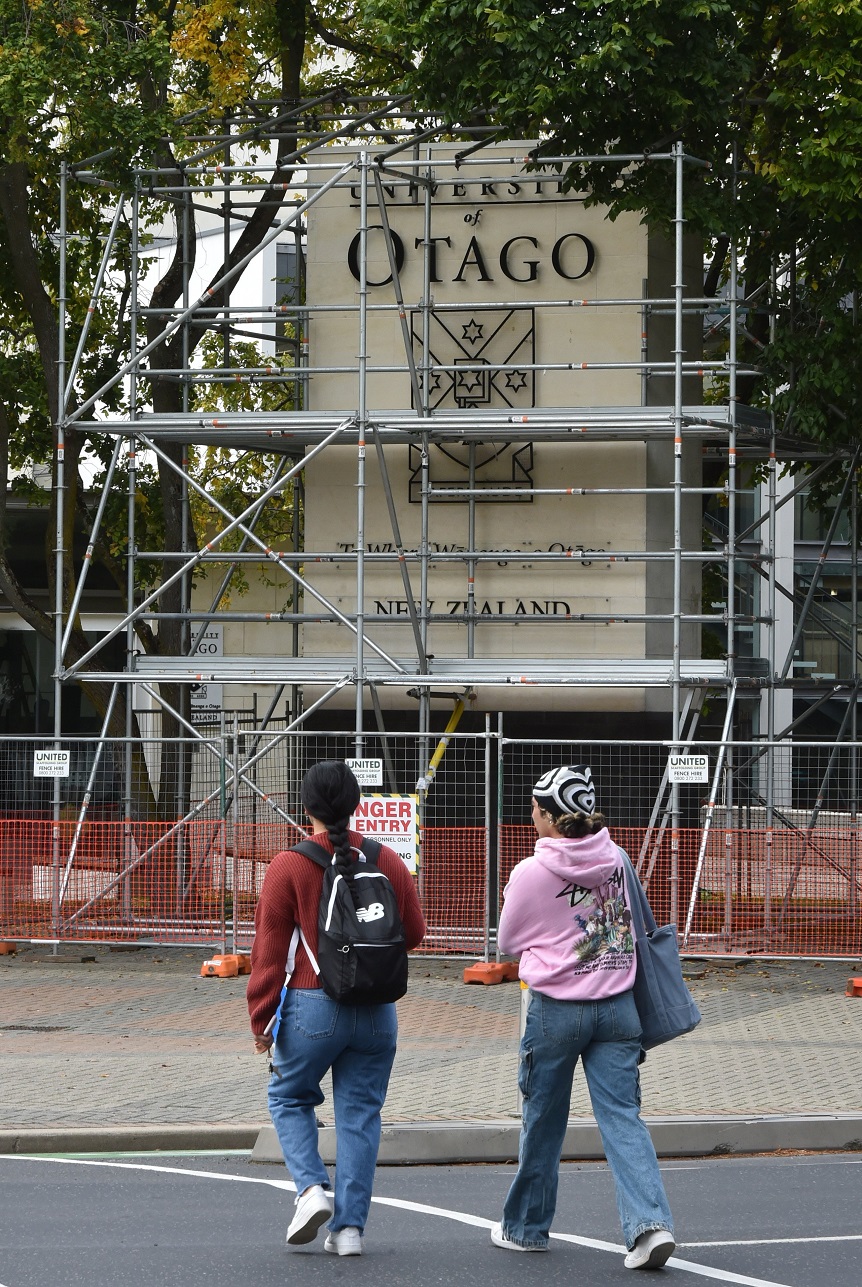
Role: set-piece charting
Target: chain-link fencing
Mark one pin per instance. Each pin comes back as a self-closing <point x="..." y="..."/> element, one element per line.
<point x="168" y="841"/>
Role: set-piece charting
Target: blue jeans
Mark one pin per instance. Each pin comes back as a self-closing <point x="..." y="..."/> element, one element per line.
<point x="606" y="1036"/>
<point x="358" y="1044"/>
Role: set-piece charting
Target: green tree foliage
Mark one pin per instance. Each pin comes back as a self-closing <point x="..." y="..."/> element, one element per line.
<point x="770" y="94"/>
<point x="132" y="83"/>
<point x="71" y="78"/>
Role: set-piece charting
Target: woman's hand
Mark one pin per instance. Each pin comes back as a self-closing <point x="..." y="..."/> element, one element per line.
<point x="262" y="1044"/>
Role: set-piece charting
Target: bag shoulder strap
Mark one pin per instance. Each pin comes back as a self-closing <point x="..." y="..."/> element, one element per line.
<point x="371" y="848"/>
<point x="322" y="858"/>
<point x="296" y="938"/>
<point x="311" y="849"/>
<point x="642" y="913"/>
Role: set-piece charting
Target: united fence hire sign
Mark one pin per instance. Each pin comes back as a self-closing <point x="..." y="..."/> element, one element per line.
<point x="368" y="772"/>
<point x="51" y="764"/>
<point x="688" y="768"/>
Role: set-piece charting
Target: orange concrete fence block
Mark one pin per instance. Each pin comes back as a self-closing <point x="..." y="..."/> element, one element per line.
<point x="854" y="988"/>
<point x="8" y="949"/>
<point x="225" y="966"/>
<point x="491" y="972"/>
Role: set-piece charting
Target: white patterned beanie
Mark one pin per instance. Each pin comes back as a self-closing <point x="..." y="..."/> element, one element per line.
<point x="566" y="790"/>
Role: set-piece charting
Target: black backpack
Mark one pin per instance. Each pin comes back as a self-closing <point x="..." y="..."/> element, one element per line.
<point x="361" y="954"/>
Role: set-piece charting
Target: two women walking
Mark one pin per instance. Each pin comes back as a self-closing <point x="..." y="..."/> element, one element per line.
<point x="566" y="915"/>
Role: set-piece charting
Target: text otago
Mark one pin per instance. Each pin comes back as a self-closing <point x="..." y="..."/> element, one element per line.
<point x="520" y="259"/>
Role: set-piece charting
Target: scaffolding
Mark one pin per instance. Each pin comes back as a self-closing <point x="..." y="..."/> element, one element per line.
<point x="390" y="154"/>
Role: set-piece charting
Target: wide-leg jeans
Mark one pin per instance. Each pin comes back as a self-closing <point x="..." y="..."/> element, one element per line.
<point x="358" y="1044"/>
<point x="606" y="1036"/>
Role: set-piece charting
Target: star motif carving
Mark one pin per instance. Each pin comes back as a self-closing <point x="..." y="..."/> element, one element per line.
<point x="470" y="380"/>
<point x="515" y="380"/>
<point x="472" y="331"/>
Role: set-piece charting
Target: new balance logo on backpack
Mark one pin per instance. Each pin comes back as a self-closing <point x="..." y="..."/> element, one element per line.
<point x="361" y="954"/>
<point x="372" y="913"/>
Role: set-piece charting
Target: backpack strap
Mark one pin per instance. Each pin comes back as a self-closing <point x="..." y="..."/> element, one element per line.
<point x="371" y="848"/>
<point x="296" y="937"/>
<point x="311" y="849"/>
<point x="322" y="858"/>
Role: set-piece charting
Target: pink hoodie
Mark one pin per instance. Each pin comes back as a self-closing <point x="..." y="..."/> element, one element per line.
<point x="566" y="914"/>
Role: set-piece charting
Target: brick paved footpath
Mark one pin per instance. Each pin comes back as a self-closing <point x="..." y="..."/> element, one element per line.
<point x="139" y="1037"/>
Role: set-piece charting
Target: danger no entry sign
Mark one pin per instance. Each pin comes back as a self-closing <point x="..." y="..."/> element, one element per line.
<point x="392" y="820"/>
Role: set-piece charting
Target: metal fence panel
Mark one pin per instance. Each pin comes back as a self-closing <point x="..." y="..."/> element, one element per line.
<point x="749" y="867"/>
<point x="743" y="867"/>
<point x="104" y="871"/>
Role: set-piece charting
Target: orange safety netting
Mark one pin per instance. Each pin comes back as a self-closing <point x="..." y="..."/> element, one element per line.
<point x="784" y="893"/>
<point x="112" y="880"/>
<point x="788" y="892"/>
<point x="452" y="885"/>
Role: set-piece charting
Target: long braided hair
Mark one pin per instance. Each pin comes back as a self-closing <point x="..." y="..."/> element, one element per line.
<point x="330" y="793"/>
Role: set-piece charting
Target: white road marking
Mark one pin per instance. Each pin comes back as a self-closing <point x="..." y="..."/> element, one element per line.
<point x="148" y="1166"/>
<point x="769" y="1242"/>
<point x="462" y="1217"/>
<point x="722" y="1275"/>
<point x="690" y="1266"/>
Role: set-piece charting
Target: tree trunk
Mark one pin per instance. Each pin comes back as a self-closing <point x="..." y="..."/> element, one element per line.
<point x="21" y="248"/>
<point x="167" y="398"/>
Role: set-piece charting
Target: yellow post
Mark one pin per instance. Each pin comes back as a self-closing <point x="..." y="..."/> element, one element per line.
<point x="425" y="781"/>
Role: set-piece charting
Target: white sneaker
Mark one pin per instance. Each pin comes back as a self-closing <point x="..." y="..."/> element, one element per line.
<point x="345" y="1242"/>
<point x="499" y="1239"/>
<point x="313" y="1209"/>
<point x="651" y="1250"/>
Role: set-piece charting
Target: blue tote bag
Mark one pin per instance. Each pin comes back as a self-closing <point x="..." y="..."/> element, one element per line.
<point x="665" y="1006"/>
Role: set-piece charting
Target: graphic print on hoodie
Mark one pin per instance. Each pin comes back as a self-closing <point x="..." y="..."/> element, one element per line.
<point x="602" y="925"/>
<point x="566" y="914"/>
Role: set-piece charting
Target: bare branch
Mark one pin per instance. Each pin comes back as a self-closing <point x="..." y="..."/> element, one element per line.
<point x="358" y="47"/>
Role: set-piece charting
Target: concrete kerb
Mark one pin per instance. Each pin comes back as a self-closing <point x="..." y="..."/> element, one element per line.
<point x="774" y="1067"/>
<point x="442" y="1143"/>
<point x="127" y="1139"/>
<point x="445" y="1143"/>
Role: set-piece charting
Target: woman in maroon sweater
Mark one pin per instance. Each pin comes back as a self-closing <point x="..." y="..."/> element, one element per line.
<point x="317" y="1034"/>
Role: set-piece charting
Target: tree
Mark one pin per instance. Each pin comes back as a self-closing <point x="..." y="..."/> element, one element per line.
<point x="134" y="79"/>
<point x="770" y="94"/>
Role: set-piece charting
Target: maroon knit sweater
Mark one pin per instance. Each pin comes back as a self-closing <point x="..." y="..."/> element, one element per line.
<point x="290" y="896"/>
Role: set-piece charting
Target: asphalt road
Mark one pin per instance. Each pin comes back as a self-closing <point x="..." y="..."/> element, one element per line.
<point x="201" y="1220"/>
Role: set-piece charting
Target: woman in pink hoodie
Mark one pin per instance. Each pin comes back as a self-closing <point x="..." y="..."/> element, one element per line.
<point x="566" y="915"/>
